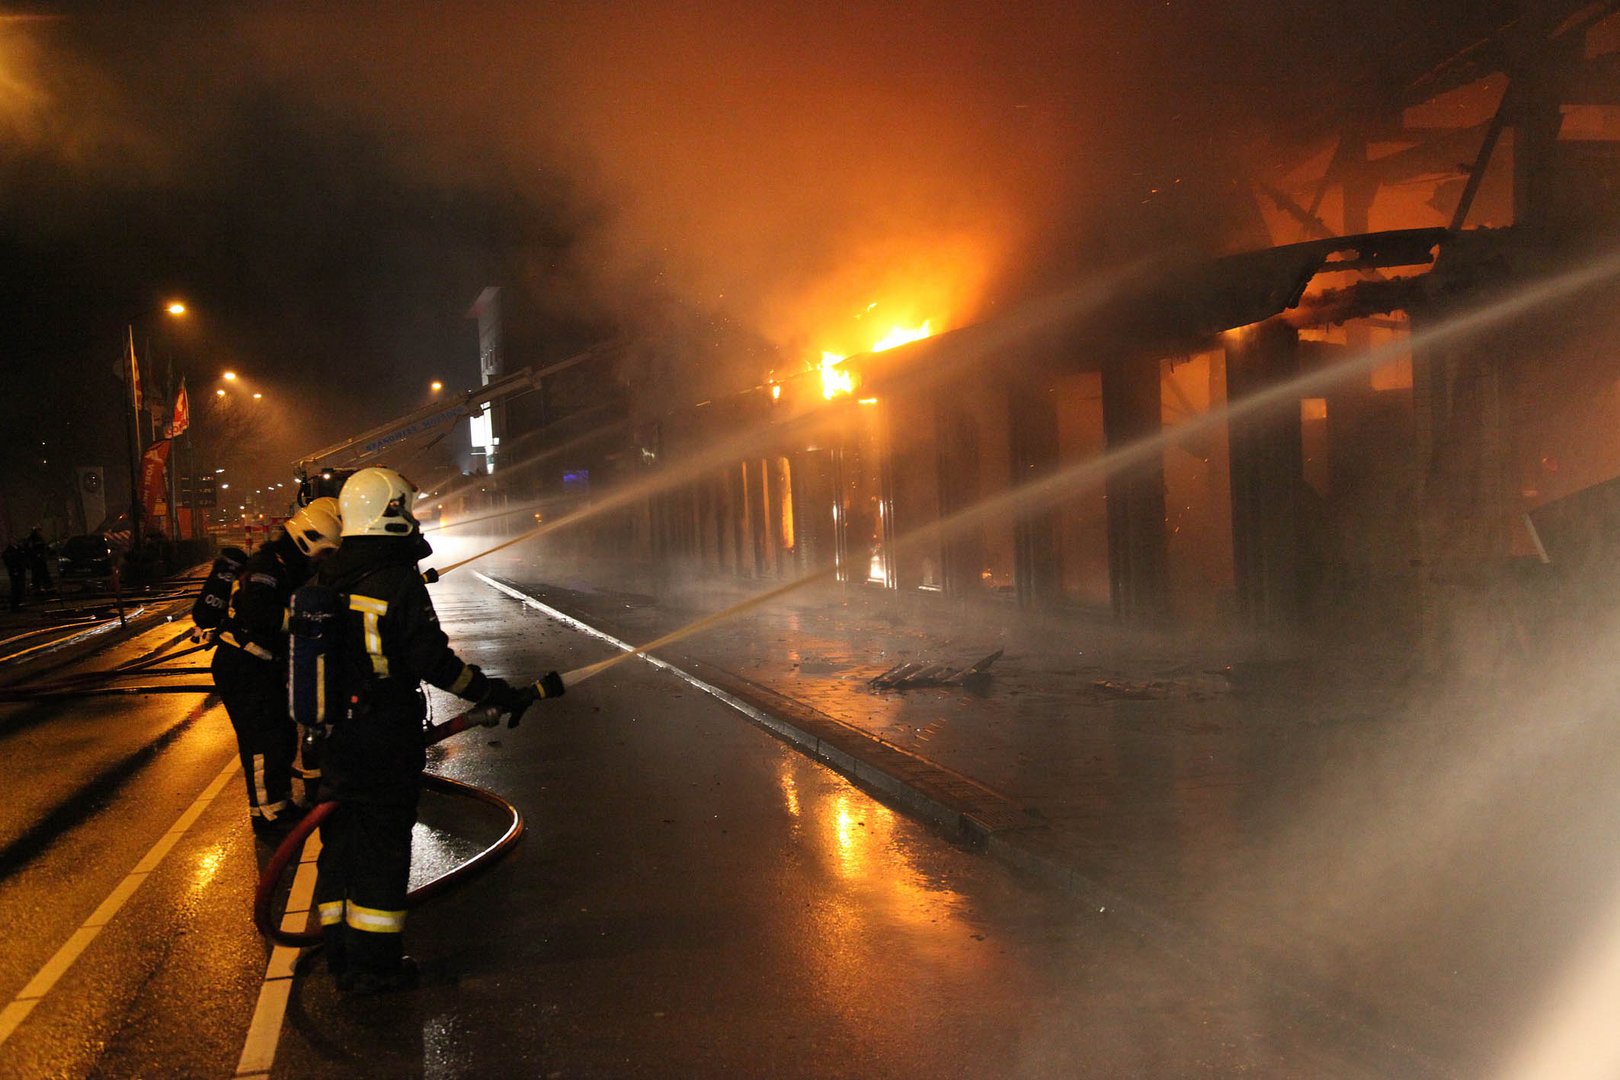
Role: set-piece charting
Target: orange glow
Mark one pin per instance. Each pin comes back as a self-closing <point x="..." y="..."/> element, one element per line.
<point x="229" y="376"/>
<point x="887" y="286"/>
<point x="207" y="868"/>
<point x="176" y="308"/>
<point x="1395" y="375"/>
<point x="784" y="484"/>
<point x="790" y="790"/>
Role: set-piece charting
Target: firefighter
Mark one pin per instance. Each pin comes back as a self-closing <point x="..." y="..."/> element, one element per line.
<point x="250" y="665"/>
<point x="39" y="553"/>
<point x="387" y="642"/>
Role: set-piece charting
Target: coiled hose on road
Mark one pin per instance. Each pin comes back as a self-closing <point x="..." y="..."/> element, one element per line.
<point x="97" y="683"/>
<point x="287" y="851"/>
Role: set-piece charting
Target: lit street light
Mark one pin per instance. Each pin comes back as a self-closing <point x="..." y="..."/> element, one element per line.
<point x="243" y="406"/>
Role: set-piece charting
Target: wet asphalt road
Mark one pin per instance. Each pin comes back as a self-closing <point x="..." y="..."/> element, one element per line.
<point x="693" y="898"/>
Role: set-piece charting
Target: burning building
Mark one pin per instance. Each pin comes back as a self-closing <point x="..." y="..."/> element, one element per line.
<point x="1344" y="430"/>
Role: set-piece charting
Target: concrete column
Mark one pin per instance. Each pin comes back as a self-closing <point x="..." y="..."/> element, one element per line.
<point x="1268" y="480"/>
<point x="1032" y="418"/>
<point x="1467" y="496"/>
<point x="759" y="484"/>
<point x="1138" y="549"/>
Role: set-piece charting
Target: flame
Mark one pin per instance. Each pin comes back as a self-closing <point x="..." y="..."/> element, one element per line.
<point x="834" y="379"/>
<point x="901" y="335"/>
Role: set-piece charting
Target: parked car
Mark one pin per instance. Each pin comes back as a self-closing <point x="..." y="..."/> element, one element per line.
<point x="85" y="558"/>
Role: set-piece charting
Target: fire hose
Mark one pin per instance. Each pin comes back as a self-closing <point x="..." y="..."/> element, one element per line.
<point x="93" y="683"/>
<point x="106" y="682"/>
<point x="287" y="851"/>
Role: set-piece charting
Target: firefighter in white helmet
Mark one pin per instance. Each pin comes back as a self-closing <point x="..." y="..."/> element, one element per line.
<point x="387" y="643"/>
<point x="250" y="665"/>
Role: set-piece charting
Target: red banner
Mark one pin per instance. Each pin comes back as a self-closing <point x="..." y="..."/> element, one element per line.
<point x="182" y="412"/>
<point x="154" y="489"/>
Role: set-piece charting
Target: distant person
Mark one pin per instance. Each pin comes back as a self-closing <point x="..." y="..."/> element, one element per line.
<point x="17" y="569"/>
<point x="388" y="641"/>
<point x="250" y="665"/>
<point x="38" y="561"/>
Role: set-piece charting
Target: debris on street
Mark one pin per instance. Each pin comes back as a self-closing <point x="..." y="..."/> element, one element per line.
<point x="918" y="673"/>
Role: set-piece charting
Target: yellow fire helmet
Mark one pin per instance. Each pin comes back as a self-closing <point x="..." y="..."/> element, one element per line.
<point x="377" y="502"/>
<point x="316" y="527"/>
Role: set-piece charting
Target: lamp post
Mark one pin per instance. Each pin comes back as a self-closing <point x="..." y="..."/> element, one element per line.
<point x="239" y="407"/>
<point x="176" y="309"/>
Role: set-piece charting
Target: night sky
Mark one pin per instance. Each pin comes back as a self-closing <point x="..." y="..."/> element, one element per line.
<point x="328" y="186"/>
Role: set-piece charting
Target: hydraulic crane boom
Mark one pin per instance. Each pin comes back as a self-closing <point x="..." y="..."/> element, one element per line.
<point x="351" y="454"/>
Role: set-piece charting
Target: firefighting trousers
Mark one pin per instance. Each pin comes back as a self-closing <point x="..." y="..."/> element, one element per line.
<point x="255" y="695"/>
<point x="364" y="873"/>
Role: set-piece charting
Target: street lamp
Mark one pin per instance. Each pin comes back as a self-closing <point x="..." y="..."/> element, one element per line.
<point x="242" y="409"/>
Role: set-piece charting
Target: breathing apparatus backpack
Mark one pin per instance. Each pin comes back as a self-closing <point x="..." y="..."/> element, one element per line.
<point x="313" y="628"/>
<point x="208" y="610"/>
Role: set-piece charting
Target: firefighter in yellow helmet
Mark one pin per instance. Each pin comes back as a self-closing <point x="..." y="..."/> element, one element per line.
<point x="388" y="642"/>
<point x="250" y="665"/>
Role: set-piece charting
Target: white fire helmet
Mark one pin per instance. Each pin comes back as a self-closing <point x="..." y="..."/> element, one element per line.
<point x="316" y="527"/>
<point x="377" y="502"/>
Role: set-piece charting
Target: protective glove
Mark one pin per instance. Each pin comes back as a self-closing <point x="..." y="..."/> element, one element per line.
<point x="508" y="699"/>
<point x="550" y="685"/>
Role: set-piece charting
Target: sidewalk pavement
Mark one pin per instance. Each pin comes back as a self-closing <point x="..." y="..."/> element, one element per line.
<point x="1321" y="826"/>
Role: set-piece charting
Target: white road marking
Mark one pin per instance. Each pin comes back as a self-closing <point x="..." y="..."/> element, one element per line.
<point x="264" y="1031"/>
<point x="12" y="1016"/>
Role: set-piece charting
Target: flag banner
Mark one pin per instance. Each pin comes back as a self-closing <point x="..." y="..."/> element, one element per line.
<point x="134" y="373"/>
<point x="154" y="488"/>
<point x="182" y="412"/>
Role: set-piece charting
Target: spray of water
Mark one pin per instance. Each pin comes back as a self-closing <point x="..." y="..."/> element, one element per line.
<point x="1067" y="483"/>
<point x="589" y="671"/>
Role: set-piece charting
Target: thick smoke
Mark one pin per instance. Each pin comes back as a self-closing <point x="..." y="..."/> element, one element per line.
<point x="746" y="186"/>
